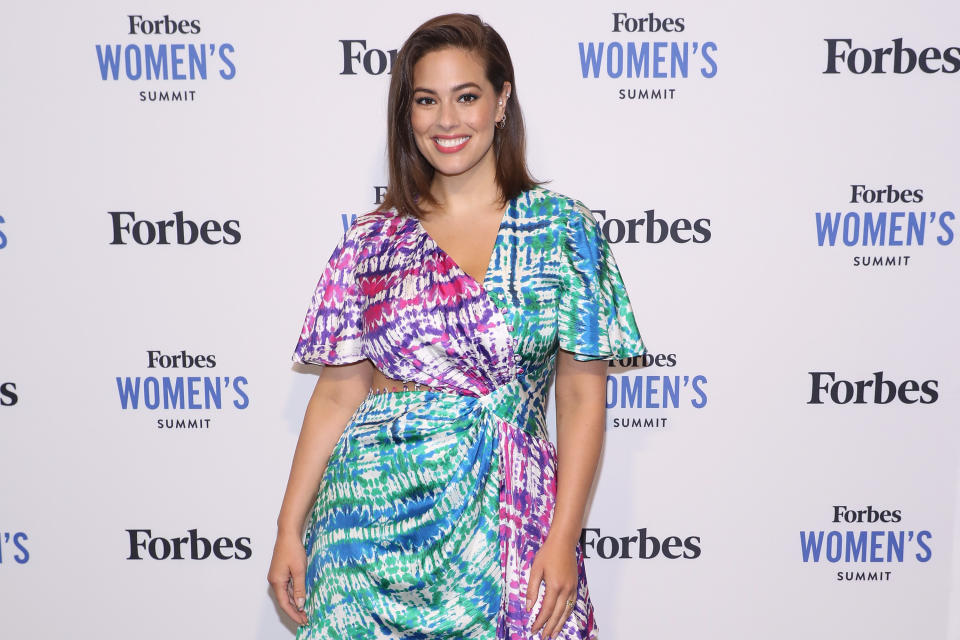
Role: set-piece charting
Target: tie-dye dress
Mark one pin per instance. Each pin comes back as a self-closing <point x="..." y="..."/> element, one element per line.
<point x="434" y="502"/>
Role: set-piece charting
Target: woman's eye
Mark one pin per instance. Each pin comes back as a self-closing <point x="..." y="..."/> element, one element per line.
<point x="427" y="100"/>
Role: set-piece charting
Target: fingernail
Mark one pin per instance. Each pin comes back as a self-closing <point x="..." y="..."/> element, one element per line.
<point x="300" y="603"/>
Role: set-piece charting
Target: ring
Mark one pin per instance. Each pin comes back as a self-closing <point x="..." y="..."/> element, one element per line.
<point x="570" y="603"/>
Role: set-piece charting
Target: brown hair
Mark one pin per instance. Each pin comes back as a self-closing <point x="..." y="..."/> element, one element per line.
<point x="410" y="173"/>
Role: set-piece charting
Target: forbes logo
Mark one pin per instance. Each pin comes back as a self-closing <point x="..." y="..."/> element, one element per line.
<point x="190" y="547"/>
<point x="826" y="388"/>
<point x="181" y="231"/>
<point x="8" y="394"/>
<point x="863" y="548"/>
<point x="653" y="230"/>
<point x="639" y="546"/>
<point x="165" y="26"/>
<point x="897" y="58"/>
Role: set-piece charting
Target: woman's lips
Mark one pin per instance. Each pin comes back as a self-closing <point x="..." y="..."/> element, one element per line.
<point x="450" y="145"/>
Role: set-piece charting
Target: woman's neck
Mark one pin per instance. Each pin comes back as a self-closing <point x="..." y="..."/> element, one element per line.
<point x="463" y="193"/>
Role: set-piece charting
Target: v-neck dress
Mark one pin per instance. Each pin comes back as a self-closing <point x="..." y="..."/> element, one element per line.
<point x="434" y="502"/>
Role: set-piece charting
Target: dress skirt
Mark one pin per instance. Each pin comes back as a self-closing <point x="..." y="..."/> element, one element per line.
<point x="426" y="523"/>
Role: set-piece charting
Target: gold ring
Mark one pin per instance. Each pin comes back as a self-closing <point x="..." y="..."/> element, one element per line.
<point x="570" y="603"/>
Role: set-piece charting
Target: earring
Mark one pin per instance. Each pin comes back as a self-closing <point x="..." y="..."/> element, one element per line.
<point x="502" y="122"/>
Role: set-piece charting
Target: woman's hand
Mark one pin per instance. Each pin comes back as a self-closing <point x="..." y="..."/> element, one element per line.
<point x="556" y="565"/>
<point x="287" y="571"/>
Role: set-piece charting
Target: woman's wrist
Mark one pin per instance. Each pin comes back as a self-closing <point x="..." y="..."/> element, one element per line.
<point x="287" y="528"/>
<point x="565" y="535"/>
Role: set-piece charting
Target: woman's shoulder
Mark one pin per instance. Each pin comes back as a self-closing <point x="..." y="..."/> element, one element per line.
<point x="376" y="225"/>
<point x="559" y="208"/>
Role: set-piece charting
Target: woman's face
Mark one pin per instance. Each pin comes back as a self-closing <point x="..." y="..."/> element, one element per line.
<point x="454" y="110"/>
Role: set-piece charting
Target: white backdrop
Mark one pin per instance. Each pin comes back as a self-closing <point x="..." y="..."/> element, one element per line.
<point x="748" y="320"/>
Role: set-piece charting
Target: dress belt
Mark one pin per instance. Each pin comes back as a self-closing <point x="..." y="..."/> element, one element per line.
<point x="394" y="385"/>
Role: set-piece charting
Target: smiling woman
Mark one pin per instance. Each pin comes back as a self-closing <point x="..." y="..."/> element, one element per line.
<point x="453" y="67"/>
<point x="434" y="503"/>
<point x="453" y="124"/>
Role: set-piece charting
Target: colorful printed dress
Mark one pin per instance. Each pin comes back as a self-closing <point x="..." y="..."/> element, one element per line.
<point x="434" y="502"/>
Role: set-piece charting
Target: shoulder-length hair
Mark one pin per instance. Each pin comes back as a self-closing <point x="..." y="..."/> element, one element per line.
<point x="410" y="173"/>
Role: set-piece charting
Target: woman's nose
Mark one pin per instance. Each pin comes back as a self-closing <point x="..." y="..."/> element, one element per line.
<point x="448" y="115"/>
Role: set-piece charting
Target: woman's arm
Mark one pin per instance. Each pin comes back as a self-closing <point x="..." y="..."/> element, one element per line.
<point x="339" y="391"/>
<point x="580" y="389"/>
<point x="581" y="392"/>
<point x="336" y="396"/>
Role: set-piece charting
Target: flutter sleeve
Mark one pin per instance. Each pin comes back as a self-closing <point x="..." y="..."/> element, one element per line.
<point x="332" y="331"/>
<point x="596" y="319"/>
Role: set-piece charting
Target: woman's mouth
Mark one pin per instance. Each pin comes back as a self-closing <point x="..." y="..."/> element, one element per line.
<point x="450" y="145"/>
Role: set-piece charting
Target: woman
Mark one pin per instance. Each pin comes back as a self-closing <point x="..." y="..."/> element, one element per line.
<point x="443" y="510"/>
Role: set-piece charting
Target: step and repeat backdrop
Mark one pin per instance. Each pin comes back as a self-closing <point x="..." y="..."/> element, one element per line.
<point x="779" y="185"/>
